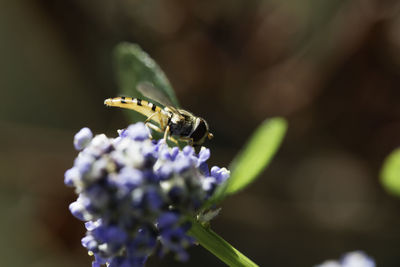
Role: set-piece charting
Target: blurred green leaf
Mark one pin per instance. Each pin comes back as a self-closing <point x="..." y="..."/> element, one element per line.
<point x="390" y="173"/>
<point x="257" y="154"/>
<point x="134" y="66"/>
<point x="253" y="159"/>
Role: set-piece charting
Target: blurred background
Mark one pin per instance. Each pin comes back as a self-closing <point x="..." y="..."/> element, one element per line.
<point x="332" y="68"/>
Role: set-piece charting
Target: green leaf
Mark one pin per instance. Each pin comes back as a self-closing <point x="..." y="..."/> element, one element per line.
<point x="253" y="159"/>
<point x="218" y="246"/>
<point x="390" y="173"/>
<point x="134" y="66"/>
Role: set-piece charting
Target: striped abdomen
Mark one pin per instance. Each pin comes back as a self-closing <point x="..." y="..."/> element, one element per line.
<point x="142" y="106"/>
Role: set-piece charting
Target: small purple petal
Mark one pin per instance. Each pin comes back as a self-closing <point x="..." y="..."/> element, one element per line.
<point x="188" y="151"/>
<point x="130" y="178"/>
<point x="220" y="174"/>
<point x="181" y="164"/>
<point x="90" y="243"/>
<point x="91" y="225"/>
<point x="165" y="171"/>
<point x="71" y="176"/>
<point x="110" y="234"/>
<point x="209" y="184"/>
<point x="137" y="132"/>
<point x="153" y="199"/>
<point x="98" y="260"/>
<point x="204" y="155"/>
<point x="99" y="145"/>
<point x="82" y="138"/>
<point x="352" y="259"/>
<point x="79" y="211"/>
<point x="167" y="219"/>
<point x="357" y="259"/>
<point x="174" y="153"/>
<point x="204" y="169"/>
<point x="83" y="163"/>
<point x="167" y="153"/>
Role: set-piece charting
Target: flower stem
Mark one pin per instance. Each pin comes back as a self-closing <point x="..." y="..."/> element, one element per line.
<point x="218" y="246"/>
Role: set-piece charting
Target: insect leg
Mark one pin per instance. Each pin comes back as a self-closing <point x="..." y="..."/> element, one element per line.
<point x="151" y="116"/>
<point x="172" y="139"/>
<point x="158" y="129"/>
<point x="151" y="125"/>
<point x="166" y="133"/>
<point x="187" y="139"/>
<point x="160" y="120"/>
<point x="154" y="127"/>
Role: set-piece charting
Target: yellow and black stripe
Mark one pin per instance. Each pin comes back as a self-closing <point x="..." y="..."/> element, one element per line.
<point x="142" y="106"/>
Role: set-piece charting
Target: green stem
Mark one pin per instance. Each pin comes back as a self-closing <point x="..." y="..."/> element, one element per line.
<point x="218" y="246"/>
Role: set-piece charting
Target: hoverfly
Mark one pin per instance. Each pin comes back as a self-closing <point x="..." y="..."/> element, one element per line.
<point x="171" y="121"/>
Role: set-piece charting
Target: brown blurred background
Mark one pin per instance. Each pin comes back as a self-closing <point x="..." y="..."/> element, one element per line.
<point x="332" y="68"/>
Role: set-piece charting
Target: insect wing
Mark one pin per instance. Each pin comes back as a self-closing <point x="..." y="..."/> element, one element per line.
<point x="148" y="90"/>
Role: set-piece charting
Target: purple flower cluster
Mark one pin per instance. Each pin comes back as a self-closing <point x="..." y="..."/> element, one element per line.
<point x="136" y="194"/>
<point x="351" y="259"/>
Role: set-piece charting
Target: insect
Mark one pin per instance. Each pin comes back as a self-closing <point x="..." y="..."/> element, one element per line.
<point x="171" y="121"/>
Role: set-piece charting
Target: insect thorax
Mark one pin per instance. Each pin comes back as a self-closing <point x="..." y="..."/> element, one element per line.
<point x="182" y="125"/>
